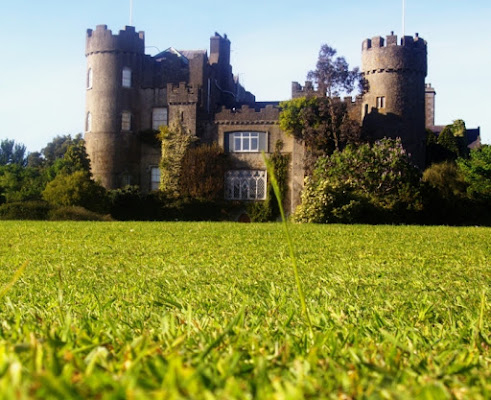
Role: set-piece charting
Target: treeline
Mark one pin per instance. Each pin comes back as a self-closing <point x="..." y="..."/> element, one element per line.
<point x="57" y="184"/>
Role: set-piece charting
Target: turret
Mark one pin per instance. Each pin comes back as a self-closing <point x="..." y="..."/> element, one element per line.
<point x="114" y="73"/>
<point x="394" y="105"/>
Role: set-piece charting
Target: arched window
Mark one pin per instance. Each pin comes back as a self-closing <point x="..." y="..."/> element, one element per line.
<point x="89" y="78"/>
<point x="88" y="122"/>
<point x="245" y="185"/>
<point x="126" y="77"/>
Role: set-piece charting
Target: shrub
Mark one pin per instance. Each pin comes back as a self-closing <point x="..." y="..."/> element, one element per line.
<point x="26" y="210"/>
<point x="75" y="213"/>
<point x="369" y="183"/>
<point x="76" y="189"/>
<point x="129" y="204"/>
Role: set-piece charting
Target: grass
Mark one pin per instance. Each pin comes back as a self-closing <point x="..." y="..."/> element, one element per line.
<point x="211" y="310"/>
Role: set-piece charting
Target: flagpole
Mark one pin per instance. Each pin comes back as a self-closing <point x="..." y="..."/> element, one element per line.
<point x="403" y="18"/>
<point x="131" y="12"/>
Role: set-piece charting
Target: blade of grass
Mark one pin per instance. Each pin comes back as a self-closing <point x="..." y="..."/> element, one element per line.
<point x="15" y="278"/>
<point x="276" y="189"/>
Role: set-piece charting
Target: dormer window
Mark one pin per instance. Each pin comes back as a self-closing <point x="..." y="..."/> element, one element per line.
<point x="126" y="77"/>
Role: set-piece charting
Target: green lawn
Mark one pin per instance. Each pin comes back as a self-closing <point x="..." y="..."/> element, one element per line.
<point x="210" y="310"/>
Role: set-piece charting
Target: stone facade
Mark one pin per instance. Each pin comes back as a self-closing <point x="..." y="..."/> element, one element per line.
<point x="130" y="93"/>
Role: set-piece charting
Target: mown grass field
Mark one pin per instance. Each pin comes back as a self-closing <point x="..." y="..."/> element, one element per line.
<point x="210" y="310"/>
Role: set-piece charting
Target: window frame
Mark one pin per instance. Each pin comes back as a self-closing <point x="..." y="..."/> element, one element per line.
<point x="154" y="185"/>
<point x="246" y="185"/>
<point x="154" y="120"/>
<point x="381" y="102"/>
<point x="246" y="141"/>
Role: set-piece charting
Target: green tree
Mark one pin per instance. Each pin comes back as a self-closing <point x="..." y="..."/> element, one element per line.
<point x="57" y="148"/>
<point x="477" y="173"/>
<point x="18" y="183"/>
<point x="322" y="121"/>
<point x="368" y="183"/>
<point x="12" y="153"/>
<point x="76" y="189"/>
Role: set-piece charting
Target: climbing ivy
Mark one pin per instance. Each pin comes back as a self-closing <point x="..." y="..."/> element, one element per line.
<point x="175" y="141"/>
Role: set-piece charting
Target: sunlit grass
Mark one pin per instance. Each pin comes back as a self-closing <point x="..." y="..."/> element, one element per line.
<point x="204" y="310"/>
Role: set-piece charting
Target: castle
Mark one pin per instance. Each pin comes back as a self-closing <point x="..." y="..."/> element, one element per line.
<point x="130" y="92"/>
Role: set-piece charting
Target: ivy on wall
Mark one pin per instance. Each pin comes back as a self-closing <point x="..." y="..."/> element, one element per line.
<point x="175" y="141"/>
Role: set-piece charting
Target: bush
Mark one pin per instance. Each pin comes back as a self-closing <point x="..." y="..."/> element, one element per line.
<point x="75" y="213"/>
<point x="129" y="204"/>
<point x="76" y="189"/>
<point x="372" y="184"/>
<point x="27" y="210"/>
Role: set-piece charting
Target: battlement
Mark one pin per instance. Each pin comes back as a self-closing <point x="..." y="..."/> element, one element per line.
<point x="381" y="55"/>
<point x="183" y="93"/>
<point x="303" y="91"/>
<point x="378" y="42"/>
<point x="102" y="40"/>
<point x="246" y="115"/>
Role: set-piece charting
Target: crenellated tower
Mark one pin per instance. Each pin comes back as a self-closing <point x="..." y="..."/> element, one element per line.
<point x="394" y="105"/>
<point x="114" y="73"/>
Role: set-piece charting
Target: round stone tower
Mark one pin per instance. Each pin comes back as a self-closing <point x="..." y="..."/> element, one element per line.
<point x="394" y="105"/>
<point x="114" y="69"/>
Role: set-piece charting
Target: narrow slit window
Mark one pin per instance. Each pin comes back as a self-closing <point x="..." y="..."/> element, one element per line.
<point x="88" y="122"/>
<point x="126" y="121"/>
<point x="126" y="77"/>
<point x="89" y="78"/>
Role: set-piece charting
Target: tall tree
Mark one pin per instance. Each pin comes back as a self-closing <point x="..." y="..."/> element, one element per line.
<point x="332" y="76"/>
<point x="12" y="153"/>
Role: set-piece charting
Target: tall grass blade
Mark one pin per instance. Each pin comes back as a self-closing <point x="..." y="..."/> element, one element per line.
<point x="15" y="278"/>
<point x="276" y="189"/>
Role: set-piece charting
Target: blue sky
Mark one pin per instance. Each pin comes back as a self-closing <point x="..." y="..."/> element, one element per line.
<point x="42" y="68"/>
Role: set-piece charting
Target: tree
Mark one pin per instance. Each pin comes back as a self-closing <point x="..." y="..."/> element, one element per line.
<point x="57" y="148"/>
<point x="477" y="173"/>
<point x="332" y="77"/>
<point x="321" y="121"/>
<point x="76" y="189"/>
<point x="12" y="153"/>
<point x="368" y="183"/>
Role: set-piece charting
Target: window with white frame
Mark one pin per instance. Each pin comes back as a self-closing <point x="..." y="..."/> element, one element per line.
<point x="125" y="121"/>
<point x="88" y="122"/>
<point x="381" y="102"/>
<point x="126" y="77"/>
<point x="154" y="178"/>
<point x="246" y="142"/>
<point x="89" y="78"/>
<point x="245" y="185"/>
<point x="159" y="118"/>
